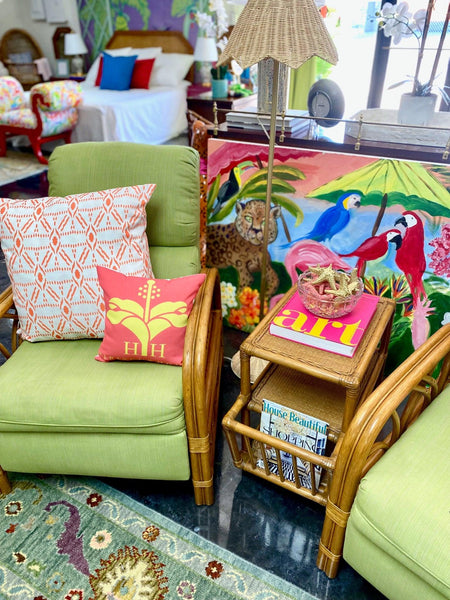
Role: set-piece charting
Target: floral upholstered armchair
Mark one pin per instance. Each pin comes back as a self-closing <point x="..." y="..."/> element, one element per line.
<point x="50" y="114"/>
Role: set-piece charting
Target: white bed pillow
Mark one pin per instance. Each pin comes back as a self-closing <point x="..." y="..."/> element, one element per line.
<point x="144" y="53"/>
<point x="91" y="76"/>
<point x="170" y="69"/>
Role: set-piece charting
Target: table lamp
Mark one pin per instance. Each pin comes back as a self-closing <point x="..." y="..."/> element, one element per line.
<point x="205" y="52"/>
<point x="75" y="46"/>
<point x="289" y="32"/>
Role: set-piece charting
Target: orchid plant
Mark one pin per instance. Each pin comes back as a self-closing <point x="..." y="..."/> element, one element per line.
<point x="398" y="22"/>
<point x="213" y="19"/>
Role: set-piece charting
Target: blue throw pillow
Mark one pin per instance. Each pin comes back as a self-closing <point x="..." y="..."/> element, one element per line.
<point x="117" y="72"/>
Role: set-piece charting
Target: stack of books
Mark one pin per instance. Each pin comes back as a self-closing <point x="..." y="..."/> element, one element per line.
<point x="295" y="123"/>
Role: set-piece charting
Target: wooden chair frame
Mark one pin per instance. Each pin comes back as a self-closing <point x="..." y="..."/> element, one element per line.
<point x="416" y="382"/>
<point x="8" y="311"/>
<point x="19" y="40"/>
<point x="35" y="135"/>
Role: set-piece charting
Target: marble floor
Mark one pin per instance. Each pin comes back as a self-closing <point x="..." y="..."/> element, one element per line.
<point x="264" y="524"/>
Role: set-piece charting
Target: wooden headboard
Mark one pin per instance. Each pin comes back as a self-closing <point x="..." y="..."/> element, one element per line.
<point x="169" y="41"/>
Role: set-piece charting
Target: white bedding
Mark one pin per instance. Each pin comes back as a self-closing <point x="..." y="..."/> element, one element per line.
<point x="148" y="116"/>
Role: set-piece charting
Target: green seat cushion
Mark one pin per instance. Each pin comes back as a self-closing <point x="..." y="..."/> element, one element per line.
<point x="402" y="506"/>
<point x="60" y="387"/>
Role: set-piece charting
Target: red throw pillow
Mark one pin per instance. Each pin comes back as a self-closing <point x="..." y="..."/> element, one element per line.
<point x="146" y="318"/>
<point x="99" y="72"/>
<point x="141" y="73"/>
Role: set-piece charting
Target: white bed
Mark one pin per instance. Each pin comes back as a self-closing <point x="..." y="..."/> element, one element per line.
<point x="149" y="116"/>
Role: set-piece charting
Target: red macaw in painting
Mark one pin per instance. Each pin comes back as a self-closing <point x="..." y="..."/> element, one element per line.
<point x="410" y="258"/>
<point x="375" y="247"/>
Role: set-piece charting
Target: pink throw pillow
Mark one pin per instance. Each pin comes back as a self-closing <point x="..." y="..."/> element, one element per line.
<point x="52" y="247"/>
<point x="146" y="318"/>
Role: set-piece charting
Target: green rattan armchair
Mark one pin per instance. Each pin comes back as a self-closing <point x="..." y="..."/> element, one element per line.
<point x="152" y="421"/>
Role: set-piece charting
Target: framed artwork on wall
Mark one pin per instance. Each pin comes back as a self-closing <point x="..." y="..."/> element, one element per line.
<point x="62" y="67"/>
<point x="55" y="11"/>
<point x="37" y="10"/>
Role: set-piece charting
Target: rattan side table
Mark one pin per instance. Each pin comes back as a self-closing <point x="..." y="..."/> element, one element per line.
<point x="313" y="381"/>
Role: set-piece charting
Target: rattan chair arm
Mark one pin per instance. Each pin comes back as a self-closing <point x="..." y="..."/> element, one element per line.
<point x="375" y="412"/>
<point x="366" y="426"/>
<point x="6" y="301"/>
<point x="202" y="362"/>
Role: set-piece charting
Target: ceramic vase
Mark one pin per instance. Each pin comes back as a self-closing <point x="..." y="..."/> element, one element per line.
<point x="416" y="110"/>
<point x="219" y="88"/>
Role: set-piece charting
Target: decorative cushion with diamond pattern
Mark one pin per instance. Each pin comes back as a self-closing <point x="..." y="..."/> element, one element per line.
<point x="52" y="247"/>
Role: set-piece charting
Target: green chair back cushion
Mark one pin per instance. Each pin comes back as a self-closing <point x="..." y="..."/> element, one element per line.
<point x="173" y="211"/>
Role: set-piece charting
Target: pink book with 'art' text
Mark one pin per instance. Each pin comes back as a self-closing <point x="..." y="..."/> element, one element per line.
<point x="342" y="335"/>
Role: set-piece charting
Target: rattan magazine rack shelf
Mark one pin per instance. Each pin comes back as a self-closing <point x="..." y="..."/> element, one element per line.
<point x="316" y="382"/>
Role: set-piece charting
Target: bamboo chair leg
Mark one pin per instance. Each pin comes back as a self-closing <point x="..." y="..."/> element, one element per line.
<point x="5" y="486"/>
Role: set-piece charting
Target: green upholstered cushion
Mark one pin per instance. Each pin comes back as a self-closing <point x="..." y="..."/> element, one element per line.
<point x="59" y="386"/>
<point x="173" y="213"/>
<point x="105" y="454"/>
<point x="401" y="511"/>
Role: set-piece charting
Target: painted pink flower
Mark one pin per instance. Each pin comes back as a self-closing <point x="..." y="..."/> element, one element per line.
<point x="440" y="257"/>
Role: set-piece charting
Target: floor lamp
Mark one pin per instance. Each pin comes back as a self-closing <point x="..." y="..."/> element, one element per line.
<point x="290" y="32"/>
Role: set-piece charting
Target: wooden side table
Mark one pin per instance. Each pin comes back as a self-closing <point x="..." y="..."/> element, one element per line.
<point x="202" y="104"/>
<point x="324" y="385"/>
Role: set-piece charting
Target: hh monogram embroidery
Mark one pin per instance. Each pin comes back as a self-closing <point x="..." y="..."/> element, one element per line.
<point x="146" y="319"/>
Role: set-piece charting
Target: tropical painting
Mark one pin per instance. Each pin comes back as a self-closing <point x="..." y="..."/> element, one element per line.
<point x="388" y="218"/>
<point x="100" y="18"/>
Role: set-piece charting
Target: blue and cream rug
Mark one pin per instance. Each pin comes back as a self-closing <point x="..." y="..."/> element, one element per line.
<point x="64" y="538"/>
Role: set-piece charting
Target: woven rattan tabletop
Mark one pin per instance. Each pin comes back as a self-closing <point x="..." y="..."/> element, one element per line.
<point x="343" y="370"/>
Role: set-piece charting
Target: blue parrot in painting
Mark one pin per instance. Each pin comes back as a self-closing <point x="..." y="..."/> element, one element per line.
<point x="333" y="220"/>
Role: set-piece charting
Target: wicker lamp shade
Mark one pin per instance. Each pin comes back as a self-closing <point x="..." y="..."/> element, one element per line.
<point x="289" y="31"/>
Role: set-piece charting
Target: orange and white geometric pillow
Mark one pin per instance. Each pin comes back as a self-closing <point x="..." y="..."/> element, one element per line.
<point x="53" y="246"/>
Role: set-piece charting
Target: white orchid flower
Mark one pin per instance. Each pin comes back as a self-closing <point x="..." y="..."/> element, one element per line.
<point x="205" y="23"/>
<point x="419" y="19"/>
<point x="397" y="18"/>
<point x="388" y="10"/>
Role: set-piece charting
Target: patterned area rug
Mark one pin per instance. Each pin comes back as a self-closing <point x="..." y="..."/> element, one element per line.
<point x="68" y="538"/>
<point x="18" y="165"/>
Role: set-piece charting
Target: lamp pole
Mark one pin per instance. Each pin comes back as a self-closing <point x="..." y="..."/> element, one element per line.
<point x="273" y="132"/>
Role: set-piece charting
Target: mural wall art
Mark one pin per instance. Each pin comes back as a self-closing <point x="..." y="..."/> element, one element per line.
<point x="100" y="18"/>
<point x="388" y="218"/>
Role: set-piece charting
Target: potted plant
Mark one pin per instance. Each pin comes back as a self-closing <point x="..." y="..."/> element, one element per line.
<point x="416" y="106"/>
<point x="219" y="82"/>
